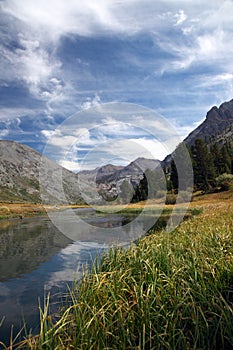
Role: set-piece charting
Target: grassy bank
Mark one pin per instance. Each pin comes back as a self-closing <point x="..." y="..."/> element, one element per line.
<point x="168" y="291"/>
<point x="21" y="210"/>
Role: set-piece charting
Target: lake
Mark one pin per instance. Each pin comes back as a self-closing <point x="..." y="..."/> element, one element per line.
<point x="36" y="258"/>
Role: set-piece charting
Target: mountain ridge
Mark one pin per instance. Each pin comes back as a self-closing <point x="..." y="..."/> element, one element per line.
<point x="217" y="120"/>
<point x="20" y="165"/>
<point x="20" y="170"/>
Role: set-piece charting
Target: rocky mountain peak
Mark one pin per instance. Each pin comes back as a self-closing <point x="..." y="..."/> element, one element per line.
<point x="216" y="122"/>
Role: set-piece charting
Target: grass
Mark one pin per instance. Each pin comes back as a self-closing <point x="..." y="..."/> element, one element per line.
<point x="24" y="209"/>
<point x="167" y="291"/>
<point x="14" y="210"/>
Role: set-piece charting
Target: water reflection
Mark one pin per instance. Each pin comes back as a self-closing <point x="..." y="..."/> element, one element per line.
<point x="35" y="257"/>
<point x="25" y="245"/>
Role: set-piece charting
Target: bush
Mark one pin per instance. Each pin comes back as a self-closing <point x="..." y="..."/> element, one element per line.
<point x="225" y="181"/>
<point x="171" y="198"/>
<point x="184" y="197"/>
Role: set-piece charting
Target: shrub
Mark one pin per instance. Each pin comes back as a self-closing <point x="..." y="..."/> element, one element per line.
<point x="224" y="181"/>
<point x="171" y="198"/>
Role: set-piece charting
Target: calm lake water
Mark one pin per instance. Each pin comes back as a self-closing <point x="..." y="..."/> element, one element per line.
<point x="36" y="258"/>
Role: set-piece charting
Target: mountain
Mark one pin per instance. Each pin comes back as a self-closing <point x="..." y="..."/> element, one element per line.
<point x="112" y="173"/>
<point x="20" y="170"/>
<point x="26" y="175"/>
<point x="217" y="127"/>
<point x="106" y="181"/>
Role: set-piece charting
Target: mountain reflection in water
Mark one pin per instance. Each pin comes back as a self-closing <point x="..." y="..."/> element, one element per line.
<point x="35" y="258"/>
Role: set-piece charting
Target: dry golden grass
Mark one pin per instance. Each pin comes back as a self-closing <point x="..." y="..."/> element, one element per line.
<point x="20" y="208"/>
<point x="169" y="290"/>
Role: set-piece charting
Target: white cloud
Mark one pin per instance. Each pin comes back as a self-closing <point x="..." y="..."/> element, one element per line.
<point x="180" y="17"/>
<point x="42" y="24"/>
<point x="4" y="133"/>
<point x="48" y="133"/>
<point x="61" y="141"/>
<point x="151" y="148"/>
<point x="193" y="33"/>
<point x="91" y="102"/>
<point x="212" y="49"/>
<point x="124" y="151"/>
<point x="38" y="69"/>
<point x="55" y="18"/>
<point x="70" y="165"/>
<point x="13" y="113"/>
<point x="215" y="80"/>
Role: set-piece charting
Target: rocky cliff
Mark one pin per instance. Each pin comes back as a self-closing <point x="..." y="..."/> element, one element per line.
<point x="217" y="127"/>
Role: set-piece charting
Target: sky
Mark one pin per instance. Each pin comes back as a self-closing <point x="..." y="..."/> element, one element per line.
<point x="70" y="69"/>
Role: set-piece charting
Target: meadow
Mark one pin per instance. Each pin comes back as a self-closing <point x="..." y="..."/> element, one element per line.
<point x="168" y="290"/>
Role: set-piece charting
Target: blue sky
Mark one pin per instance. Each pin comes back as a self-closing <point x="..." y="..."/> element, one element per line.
<point x="59" y="58"/>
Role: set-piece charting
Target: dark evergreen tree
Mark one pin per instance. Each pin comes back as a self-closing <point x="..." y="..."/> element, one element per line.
<point x="143" y="188"/>
<point x="203" y="166"/>
<point x="226" y="160"/>
<point x="181" y="175"/>
<point x="156" y="181"/>
<point x="174" y="176"/>
<point x="216" y="155"/>
<point x="141" y="191"/>
<point x="153" y="181"/>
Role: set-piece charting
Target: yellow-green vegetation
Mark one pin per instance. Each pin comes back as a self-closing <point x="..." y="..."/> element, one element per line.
<point x="19" y="210"/>
<point x="14" y="210"/>
<point x="167" y="291"/>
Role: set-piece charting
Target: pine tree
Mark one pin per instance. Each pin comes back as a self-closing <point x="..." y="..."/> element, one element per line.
<point x="216" y="155"/>
<point x="174" y="176"/>
<point x="204" y="172"/>
<point x="226" y="161"/>
<point x="141" y="191"/>
<point x="181" y="168"/>
<point x="156" y="181"/>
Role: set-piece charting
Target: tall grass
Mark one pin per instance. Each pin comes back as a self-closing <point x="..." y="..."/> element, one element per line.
<point x="167" y="291"/>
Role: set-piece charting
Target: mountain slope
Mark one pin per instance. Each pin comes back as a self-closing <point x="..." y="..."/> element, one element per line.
<point x="106" y="181"/>
<point x="219" y="121"/>
<point x="20" y="168"/>
<point x="112" y="173"/>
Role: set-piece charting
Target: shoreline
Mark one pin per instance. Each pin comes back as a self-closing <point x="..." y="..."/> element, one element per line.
<point x="23" y="210"/>
<point x="19" y="211"/>
<point x="161" y="278"/>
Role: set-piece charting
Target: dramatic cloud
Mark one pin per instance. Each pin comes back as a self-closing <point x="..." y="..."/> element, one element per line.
<point x="60" y="57"/>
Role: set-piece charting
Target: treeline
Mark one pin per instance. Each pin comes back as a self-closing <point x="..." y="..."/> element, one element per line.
<point x="211" y="167"/>
<point x="208" y="164"/>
